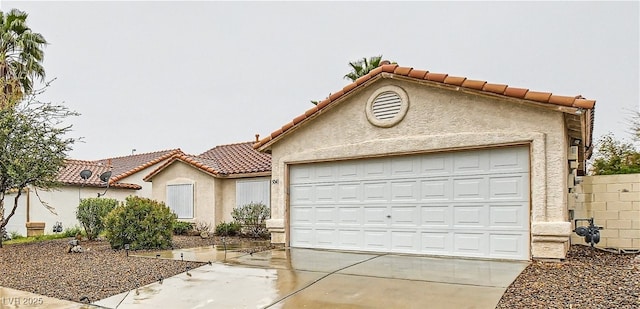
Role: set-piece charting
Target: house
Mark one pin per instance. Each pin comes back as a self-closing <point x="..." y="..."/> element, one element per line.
<point x="126" y="179"/>
<point x="207" y="187"/>
<point x="411" y="161"/>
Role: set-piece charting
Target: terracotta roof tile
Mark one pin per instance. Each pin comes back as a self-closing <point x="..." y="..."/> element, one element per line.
<point x="445" y="79"/>
<point x="299" y="118"/>
<point x="538" y="96"/>
<point x="516" y="92"/>
<point x="436" y="77"/>
<point x="389" y="68"/>
<point x="561" y="100"/>
<point x="287" y="126"/>
<point x="418" y="74"/>
<point x="495" y="88"/>
<point x="364" y="78"/>
<point x="238" y="158"/>
<point x="322" y="104"/>
<point x="349" y="87"/>
<point x="402" y="71"/>
<point x="128" y="165"/>
<point x="70" y="175"/>
<point x="454" y="80"/>
<point x="334" y="96"/>
<point x="583" y="103"/>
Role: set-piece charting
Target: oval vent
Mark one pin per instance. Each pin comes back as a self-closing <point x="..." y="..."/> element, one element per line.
<point x="386" y="105"/>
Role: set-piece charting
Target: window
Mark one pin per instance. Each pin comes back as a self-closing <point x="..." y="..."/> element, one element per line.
<point x="253" y="191"/>
<point x="180" y="200"/>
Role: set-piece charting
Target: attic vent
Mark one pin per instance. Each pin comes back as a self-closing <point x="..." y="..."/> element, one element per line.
<point x="387" y="106"/>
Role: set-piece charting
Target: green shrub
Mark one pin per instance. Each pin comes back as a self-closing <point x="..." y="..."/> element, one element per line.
<point x="15" y="235"/>
<point x="142" y="223"/>
<point x="181" y="228"/>
<point x="73" y="231"/>
<point x="228" y="229"/>
<point x="252" y="217"/>
<point x="92" y="212"/>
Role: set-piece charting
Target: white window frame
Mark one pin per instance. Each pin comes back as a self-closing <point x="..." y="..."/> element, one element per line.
<point x="186" y="196"/>
<point x="253" y="191"/>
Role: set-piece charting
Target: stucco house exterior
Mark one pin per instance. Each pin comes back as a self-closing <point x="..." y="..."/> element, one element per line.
<point x="126" y="179"/>
<point x="207" y="187"/>
<point x="411" y="161"/>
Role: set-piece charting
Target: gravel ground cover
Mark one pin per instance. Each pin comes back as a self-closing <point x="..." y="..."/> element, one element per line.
<point x="45" y="268"/>
<point x="588" y="278"/>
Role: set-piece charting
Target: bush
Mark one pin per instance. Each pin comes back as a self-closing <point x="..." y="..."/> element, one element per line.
<point x="252" y="217"/>
<point x="73" y="231"/>
<point x="202" y="226"/>
<point x="15" y="235"/>
<point x="92" y="212"/>
<point x="228" y="229"/>
<point x="181" y="228"/>
<point x="142" y="223"/>
<point x="615" y="157"/>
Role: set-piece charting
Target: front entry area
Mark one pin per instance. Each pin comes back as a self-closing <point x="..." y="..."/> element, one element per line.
<point x="472" y="203"/>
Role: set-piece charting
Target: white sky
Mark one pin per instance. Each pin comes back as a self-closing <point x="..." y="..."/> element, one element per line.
<point x="193" y="75"/>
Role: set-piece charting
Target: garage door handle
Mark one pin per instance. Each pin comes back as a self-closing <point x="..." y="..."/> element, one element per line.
<point x="389" y="216"/>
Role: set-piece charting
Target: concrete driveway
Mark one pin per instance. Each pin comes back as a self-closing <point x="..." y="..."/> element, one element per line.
<point x="296" y="278"/>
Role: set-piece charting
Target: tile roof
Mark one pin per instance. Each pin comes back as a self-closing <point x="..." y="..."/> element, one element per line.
<point x="224" y="160"/>
<point x="70" y="175"/>
<point x="128" y="165"/>
<point x="442" y="79"/>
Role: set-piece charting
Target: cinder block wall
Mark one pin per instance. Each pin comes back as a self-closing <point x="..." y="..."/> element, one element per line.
<point x="614" y="203"/>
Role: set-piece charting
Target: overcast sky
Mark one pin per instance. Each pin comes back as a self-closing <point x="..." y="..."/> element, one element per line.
<point x="193" y="75"/>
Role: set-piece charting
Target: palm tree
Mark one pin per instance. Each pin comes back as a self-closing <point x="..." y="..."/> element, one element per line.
<point x="21" y="56"/>
<point x="362" y="67"/>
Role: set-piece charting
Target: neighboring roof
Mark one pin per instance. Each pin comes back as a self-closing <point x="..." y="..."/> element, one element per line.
<point x="223" y="161"/>
<point x="70" y="175"/>
<point x="128" y="165"/>
<point x="440" y="79"/>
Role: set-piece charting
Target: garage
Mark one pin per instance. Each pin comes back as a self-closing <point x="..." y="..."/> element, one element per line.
<point x="472" y="203"/>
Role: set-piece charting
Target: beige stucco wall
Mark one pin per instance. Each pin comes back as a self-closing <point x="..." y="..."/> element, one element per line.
<point x="214" y="198"/>
<point x="614" y="203"/>
<point x="65" y="202"/>
<point x="438" y="120"/>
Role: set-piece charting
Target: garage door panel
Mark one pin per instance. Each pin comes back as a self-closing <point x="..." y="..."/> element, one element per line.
<point x="301" y="195"/>
<point x="405" y="167"/>
<point x="405" y="216"/>
<point x="348" y="192"/>
<point x="508" y="187"/>
<point x="405" y="241"/>
<point x="302" y="215"/>
<point x="376" y="191"/>
<point x="325" y="194"/>
<point x="350" y="239"/>
<point x="511" y="216"/>
<point x="435" y="216"/>
<point x="471" y="203"/>
<point x="350" y="216"/>
<point x="376" y="240"/>
<point x="326" y="238"/>
<point x="376" y="216"/>
<point x="436" y="189"/>
<point x="470" y="216"/>
<point x="509" y="160"/>
<point x="507" y="245"/>
<point x="404" y="191"/>
<point x="325" y="215"/>
<point x="469" y="244"/>
<point x="435" y="165"/>
<point x="470" y="188"/>
<point x="436" y="242"/>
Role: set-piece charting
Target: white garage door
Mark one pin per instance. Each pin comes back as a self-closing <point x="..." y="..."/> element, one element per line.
<point x="470" y="203"/>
